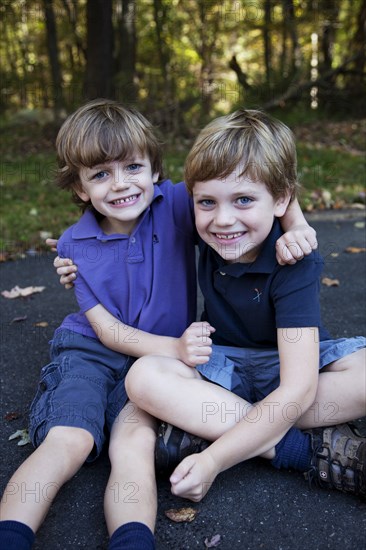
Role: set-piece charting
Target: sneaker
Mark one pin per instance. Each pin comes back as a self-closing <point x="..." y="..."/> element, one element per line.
<point x="172" y="445"/>
<point x="338" y="460"/>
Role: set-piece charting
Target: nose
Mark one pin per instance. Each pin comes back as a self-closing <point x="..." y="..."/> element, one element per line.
<point x="121" y="180"/>
<point x="224" y="216"/>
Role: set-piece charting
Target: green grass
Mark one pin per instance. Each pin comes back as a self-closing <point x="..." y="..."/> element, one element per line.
<point x="32" y="207"/>
<point x="339" y="173"/>
<point x="30" y="203"/>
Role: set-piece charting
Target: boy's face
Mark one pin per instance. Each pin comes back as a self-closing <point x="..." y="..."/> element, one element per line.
<point x="119" y="190"/>
<point x="235" y="215"/>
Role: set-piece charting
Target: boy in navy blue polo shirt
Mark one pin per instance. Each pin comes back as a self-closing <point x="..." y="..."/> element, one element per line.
<point x="261" y="386"/>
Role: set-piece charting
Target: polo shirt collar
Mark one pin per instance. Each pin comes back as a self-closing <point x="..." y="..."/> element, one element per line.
<point x="88" y="226"/>
<point x="266" y="261"/>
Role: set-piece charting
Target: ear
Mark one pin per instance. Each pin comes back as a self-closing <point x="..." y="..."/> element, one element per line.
<point x="82" y="194"/>
<point x="281" y="205"/>
<point x="155" y="177"/>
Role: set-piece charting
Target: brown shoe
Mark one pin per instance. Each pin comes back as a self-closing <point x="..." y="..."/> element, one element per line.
<point x="338" y="460"/>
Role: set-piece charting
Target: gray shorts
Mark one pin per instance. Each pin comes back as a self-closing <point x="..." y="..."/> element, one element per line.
<point x="255" y="373"/>
<point x="82" y="387"/>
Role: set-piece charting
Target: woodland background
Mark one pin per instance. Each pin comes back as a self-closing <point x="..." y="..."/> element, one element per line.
<point x="181" y="62"/>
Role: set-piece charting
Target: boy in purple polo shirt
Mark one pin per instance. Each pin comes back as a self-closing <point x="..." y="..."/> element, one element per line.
<point x="136" y="288"/>
<point x="134" y="246"/>
<point x="260" y="393"/>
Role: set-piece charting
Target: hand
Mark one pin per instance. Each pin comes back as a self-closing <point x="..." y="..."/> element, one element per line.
<point x="52" y="243"/>
<point x="295" y="244"/>
<point x="194" y="347"/>
<point x="194" y="476"/>
<point x="67" y="271"/>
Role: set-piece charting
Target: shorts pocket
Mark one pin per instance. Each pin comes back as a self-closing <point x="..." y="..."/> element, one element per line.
<point x="219" y="369"/>
<point x="50" y="378"/>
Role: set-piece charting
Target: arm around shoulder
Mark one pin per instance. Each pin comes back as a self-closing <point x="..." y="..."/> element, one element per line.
<point x="299" y="238"/>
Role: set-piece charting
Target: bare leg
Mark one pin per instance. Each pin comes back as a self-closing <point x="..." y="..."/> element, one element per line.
<point x="131" y="490"/>
<point x="341" y="394"/>
<point x="170" y="390"/>
<point x="31" y="490"/>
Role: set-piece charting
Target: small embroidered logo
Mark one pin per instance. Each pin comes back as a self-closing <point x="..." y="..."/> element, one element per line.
<point x="257" y="297"/>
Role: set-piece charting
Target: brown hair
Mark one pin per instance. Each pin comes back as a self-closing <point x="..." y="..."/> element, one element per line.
<point x="259" y="146"/>
<point x="102" y="131"/>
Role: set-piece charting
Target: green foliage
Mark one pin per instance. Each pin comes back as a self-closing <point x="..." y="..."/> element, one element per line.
<point x="182" y="72"/>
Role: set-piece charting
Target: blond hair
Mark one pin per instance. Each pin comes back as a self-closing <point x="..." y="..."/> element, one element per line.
<point x="103" y="131"/>
<point x="250" y="141"/>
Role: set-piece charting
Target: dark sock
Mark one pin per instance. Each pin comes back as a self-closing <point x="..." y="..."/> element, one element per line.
<point x="293" y="451"/>
<point x="132" y="536"/>
<point x="15" y="535"/>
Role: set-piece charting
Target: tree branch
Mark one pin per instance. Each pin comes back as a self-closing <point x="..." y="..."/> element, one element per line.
<point x="295" y="90"/>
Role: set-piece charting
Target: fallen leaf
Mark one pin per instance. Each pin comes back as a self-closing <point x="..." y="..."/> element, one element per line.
<point x="41" y="324"/>
<point x="23" y="435"/>
<point x="335" y="254"/>
<point x="17" y="292"/>
<point x="354" y="249"/>
<point x="330" y="282"/>
<point x="181" y="514"/>
<point x="12" y="416"/>
<point x="18" y="319"/>
<point x="213" y="542"/>
<point x="359" y="225"/>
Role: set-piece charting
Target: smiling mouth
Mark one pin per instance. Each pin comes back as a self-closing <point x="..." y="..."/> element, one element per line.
<point x="125" y="200"/>
<point x="227" y="236"/>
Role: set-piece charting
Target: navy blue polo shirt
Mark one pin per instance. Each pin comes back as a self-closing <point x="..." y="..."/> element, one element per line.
<point x="147" y="279"/>
<point x="247" y="302"/>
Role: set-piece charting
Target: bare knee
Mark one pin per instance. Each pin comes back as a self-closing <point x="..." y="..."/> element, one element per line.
<point x="73" y="444"/>
<point x="135" y="440"/>
<point x="142" y="377"/>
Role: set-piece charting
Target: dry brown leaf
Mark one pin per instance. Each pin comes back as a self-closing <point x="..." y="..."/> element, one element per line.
<point x="330" y="282"/>
<point x="181" y="514"/>
<point x="17" y="292"/>
<point x="41" y="324"/>
<point x="354" y="249"/>
<point x="12" y="416"/>
<point x="213" y="542"/>
<point x="18" y="319"/>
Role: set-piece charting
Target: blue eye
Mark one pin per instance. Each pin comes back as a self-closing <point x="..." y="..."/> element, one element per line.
<point x="244" y="201"/>
<point x="134" y="167"/>
<point x="100" y="175"/>
<point x="206" y="202"/>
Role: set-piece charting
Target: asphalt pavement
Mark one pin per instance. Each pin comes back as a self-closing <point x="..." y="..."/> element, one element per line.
<point x="251" y="506"/>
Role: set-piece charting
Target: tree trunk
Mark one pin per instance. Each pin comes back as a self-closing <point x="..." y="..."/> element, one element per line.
<point x="290" y="22"/>
<point x="52" y="47"/>
<point x="267" y="42"/>
<point x="357" y="46"/>
<point x="99" y="63"/>
<point x="126" y="56"/>
<point x="72" y="15"/>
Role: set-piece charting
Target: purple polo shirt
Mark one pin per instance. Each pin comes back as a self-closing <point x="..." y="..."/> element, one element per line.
<point x="147" y="279"/>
